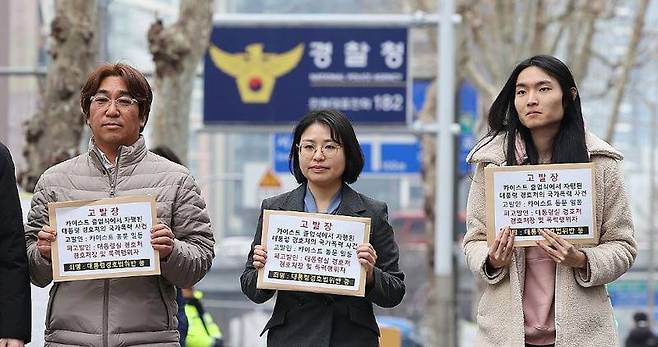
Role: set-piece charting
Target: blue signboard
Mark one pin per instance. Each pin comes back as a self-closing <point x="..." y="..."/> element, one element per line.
<point x="282" y="143"/>
<point x="367" y="155"/>
<point x="467" y="118"/>
<point x="273" y="75"/>
<point x="393" y="157"/>
<point x="629" y="293"/>
<point x="400" y="158"/>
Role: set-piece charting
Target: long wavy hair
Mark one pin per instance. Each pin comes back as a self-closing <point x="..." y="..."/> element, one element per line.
<point x="569" y="143"/>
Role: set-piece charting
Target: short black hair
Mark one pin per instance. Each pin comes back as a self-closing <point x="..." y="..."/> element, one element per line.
<point x="640" y="316"/>
<point x="342" y="133"/>
<point x="167" y="153"/>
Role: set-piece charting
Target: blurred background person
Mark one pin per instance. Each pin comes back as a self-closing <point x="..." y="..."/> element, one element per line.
<point x="202" y="329"/>
<point x="641" y="335"/>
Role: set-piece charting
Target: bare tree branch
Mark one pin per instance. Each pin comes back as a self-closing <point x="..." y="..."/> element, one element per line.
<point x="563" y="18"/>
<point x="533" y="40"/>
<point x="603" y="59"/>
<point x="581" y="61"/>
<point x="609" y="85"/>
<point x="475" y="26"/>
<point x="629" y="60"/>
<point x="486" y="88"/>
<point x="53" y="133"/>
<point x="423" y="6"/>
<point x="177" y="51"/>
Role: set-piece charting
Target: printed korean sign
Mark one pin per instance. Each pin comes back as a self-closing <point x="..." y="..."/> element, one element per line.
<point x="273" y="75"/>
<point x="558" y="197"/>
<point x="313" y="252"/>
<point x="103" y="238"/>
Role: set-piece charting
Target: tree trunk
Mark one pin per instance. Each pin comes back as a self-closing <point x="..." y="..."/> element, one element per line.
<point x="177" y="52"/>
<point x="53" y="133"/>
<point x="430" y="319"/>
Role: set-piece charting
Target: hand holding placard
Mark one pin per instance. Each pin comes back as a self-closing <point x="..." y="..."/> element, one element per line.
<point x="314" y="252"/>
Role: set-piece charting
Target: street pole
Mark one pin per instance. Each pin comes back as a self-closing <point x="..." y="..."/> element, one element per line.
<point x="651" y="225"/>
<point x="443" y="233"/>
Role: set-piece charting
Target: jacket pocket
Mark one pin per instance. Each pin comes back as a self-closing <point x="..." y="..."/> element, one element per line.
<point x="278" y="318"/>
<point x="51" y="300"/>
<point x="163" y="299"/>
<point x="363" y="318"/>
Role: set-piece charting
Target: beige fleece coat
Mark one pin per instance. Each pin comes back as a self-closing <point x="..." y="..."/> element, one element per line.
<point x="583" y="313"/>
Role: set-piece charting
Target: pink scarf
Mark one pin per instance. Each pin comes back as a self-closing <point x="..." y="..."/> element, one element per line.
<point x="519" y="149"/>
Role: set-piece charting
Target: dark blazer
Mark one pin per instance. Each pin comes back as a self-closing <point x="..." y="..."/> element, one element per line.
<point x="15" y="320"/>
<point x="303" y="319"/>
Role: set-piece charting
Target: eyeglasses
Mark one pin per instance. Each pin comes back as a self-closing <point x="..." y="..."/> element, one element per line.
<point x="102" y="101"/>
<point x="328" y="150"/>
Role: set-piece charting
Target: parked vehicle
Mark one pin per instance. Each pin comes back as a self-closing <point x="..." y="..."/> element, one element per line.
<point x="404" y="332"/>
<point x="409" y="227"/>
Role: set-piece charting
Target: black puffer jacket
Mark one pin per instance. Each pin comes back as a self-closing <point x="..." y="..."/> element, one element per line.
<point x="15" y="321"/>
<point x="641" y="337"/>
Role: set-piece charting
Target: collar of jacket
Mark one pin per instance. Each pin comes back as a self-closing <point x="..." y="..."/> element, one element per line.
<point x="351" y="202"/>
<point x="488" y="150"/>
<point x="128" y="155"/>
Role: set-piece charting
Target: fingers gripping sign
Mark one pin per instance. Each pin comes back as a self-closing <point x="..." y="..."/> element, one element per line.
<point x="259" y="257"/>
<point x="162" y="240"/>
<point x="45" y="238"/>
<point x="501" y="250"/>
<point x="367" y="256"/>
<point x="6" y="342"/>
<point x="561" y="251"/>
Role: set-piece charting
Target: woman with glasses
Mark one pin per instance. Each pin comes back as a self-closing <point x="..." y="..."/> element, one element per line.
<point x="325" y="157"/>
<point x="553" y="293"/>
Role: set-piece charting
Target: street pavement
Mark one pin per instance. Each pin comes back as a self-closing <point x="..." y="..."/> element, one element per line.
<point x="39" y="308"/>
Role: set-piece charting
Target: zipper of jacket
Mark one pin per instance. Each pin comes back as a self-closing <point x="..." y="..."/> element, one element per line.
<point x="106" y="283"/>
<point x="108" y="173"/>
<point x="106" y="299"/>
<point x="556" y="306"/>
<point x="113" y="182"/>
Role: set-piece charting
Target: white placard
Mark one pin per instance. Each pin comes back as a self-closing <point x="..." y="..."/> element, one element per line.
<point x="558" y="197"/>
<point x="313" y="252"/>
<point x="103" y="238"/>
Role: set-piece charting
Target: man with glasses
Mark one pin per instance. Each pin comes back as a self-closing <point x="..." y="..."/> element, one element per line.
<point x="141" y="310"/>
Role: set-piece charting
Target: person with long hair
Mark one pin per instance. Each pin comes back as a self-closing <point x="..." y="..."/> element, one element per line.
<point x="325" y="157"/>
<point x="551" y="294"/>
